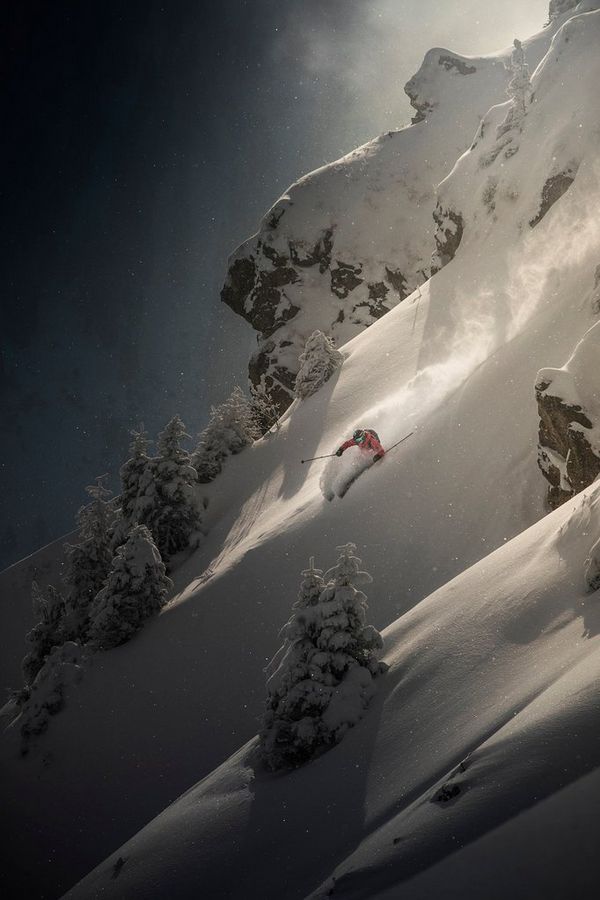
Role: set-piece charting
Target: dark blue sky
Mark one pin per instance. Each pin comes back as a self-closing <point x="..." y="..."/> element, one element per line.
<point x="142" y="141"/>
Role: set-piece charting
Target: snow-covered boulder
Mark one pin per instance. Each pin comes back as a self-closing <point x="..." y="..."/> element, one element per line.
<point x="569" y="432"/>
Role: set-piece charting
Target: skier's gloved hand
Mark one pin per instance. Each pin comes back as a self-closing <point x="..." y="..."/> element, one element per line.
<point x="338" y="452"/>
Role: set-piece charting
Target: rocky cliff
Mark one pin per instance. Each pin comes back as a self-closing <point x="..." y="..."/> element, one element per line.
<point x="351" y="240"/>
<point x="569" y="432"/>
<point x="348" y="242"/>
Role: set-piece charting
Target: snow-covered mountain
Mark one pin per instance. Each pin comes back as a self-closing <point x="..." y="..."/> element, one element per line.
<point x="486" y="724"/>
<point x="348" y="242"/>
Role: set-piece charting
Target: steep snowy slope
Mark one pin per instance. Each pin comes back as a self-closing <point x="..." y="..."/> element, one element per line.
<point x="492" y="690"/>
<point x="457" y="361"/>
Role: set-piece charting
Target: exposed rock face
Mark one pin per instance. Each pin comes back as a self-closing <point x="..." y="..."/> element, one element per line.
<point x="552" y="191"/>
<point x="569" y="433"/>
<point x="565" y="454"/>
<point x="596" y="292"/>
<point x="453" y="62"/>
<point x="448" y="235"/>
<point x="258" y="288"/>
<point x="345" y="278"/>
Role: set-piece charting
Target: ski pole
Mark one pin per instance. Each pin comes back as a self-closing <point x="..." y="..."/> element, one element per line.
<point x="326" y="456"/>
<point x="406" y="436"/>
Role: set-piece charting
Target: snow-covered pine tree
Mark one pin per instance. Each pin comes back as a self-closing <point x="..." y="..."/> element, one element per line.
<point x="344" y="632"/>
<point x="297" y="691"/>
<point x="134" y="475"/>
<point x="519" y="90"/>
<point x="170" y="509"/>
<point x="88" y="562"/>
<point x="231" y="428"/>
<point x="45" y="697"/>
<point x="210" y="450"/>
<point x="136" y="588"/>
<point x="519" y="87"/>
<point x="265" y="413"/>
<point x="318" y="362"/>
<point x="323" y="680"/>
<point x="310" y="589"/>
<point x="138" y="493"/>
<point x="48" y="632"/>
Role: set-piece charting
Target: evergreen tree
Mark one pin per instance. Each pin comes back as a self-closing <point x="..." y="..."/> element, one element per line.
<point x="137" y="488"/>
<point x="343" y="632"/>
<point x="88" y="562"/>
<point x="136" y="588"/>
<point x="519" y="90"/>
<point x="318" y="362"/>
<point x="134" y="478"/>
<point x="169" y="506"/>
<point x="48" y="632"/>
<point x="322" y="678"/>
<point x="264" y="410"/>
<point x="519" y="87"/>
<point x="46" y="696"/>
<point x="231" y="428"/>
<point x="310" y="589"/>
<point x="210" y="450"/>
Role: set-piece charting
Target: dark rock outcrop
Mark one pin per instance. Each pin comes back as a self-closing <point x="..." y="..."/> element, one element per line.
<point x="459" y="65"/>
<point x="552" y="191"/>
<point x="257" y="294"/>
<point x="278" y="380"/>
<point x="256" y="290"/>
<point x="448" y="235"/>
<point x="345" y="278"/>
<point x="566" y="455"/>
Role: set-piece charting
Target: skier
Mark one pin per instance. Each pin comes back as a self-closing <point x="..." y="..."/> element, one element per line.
<point x="366" y="439"/>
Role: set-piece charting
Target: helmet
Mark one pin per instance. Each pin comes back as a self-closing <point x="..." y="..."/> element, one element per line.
<point x="359" y="435"/>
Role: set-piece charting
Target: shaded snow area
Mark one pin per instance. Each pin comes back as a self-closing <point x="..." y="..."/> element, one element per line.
<point x="473" y="771"/>
<point x="490" y="706"/>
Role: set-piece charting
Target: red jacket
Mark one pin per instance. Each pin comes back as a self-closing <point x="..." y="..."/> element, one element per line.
<point x="370" y="443"/>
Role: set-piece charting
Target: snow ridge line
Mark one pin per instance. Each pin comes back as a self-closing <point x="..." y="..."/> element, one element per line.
<point x="363" y="884"/>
